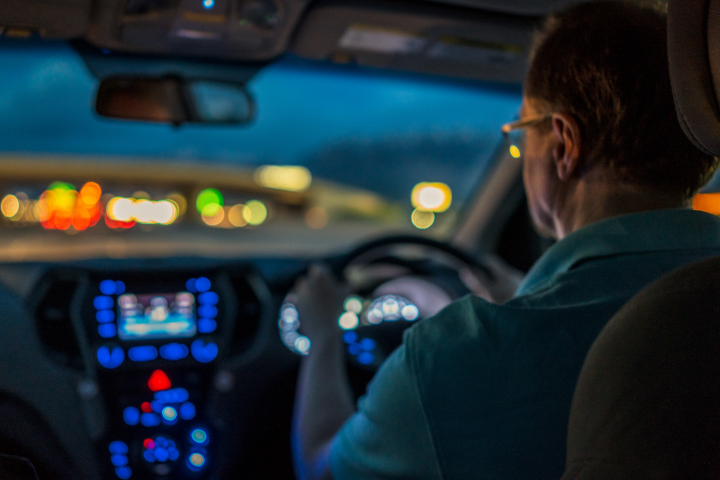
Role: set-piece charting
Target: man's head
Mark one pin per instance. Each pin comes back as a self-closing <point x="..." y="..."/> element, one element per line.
<point x="601" y="68"/>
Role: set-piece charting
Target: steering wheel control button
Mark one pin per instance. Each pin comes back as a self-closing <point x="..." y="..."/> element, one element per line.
<point x="150" y="419"/>
<point x="204" y="352"/>
<point x="118" y="448"/>
<point x="196" y="460"/>
<point x="107" y="330"/>
<point x="169" y="415"/>
<point x="123" y="472"/>
<point x="206" y="325"/>
<point x="110" y="357"/>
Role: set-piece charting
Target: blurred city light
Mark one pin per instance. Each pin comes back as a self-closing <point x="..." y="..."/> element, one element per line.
<point x="10" y="206"/>
<point x="121" y="209"/>
<point x="422" y="219"/>
<point x="290" y="178"/>
<point x="317" y="218"/>
<point x="348" y="321"/>
<point x="216" y="218"/>
<point x="514" y="151"/>
<point x="255" y="213"/>
<point x="61" y="206"/>
<point x="209" y="202"/>
<point x="236" y="215"/>
<point x="431" y="197"/>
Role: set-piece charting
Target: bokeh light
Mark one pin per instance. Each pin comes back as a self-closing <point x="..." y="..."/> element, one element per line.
<point x="61" y="206"/>
<point x="129" y="210"/>
<point x="422" y="219"/>
<point x="10" y="206"/>
<point x="236" y="215"/>
<point x="707" y="202"/>
<point x="255" y="213"/>
<point x="431" y="197"/>
<point x="289" y="178"/>
<point x="317" y="218"/>
<point x="514" y="151"/>
<point x="348" y="321"/>
<point x="213" y="219"/>
<point x="209" y="202"/>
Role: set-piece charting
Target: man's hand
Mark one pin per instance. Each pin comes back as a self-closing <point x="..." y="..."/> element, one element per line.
<point x="319" y="299"/>
<point x="324" y="400"/>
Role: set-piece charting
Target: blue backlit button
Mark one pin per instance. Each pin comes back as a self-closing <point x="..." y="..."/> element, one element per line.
<point x="187" y="411"/>
<point x="206" y="325"/>
<point x="199" y="436"/>
<point x="108" y="287"/>
<point x="202" y="284"/>
<point x="350" y="337"/>
<point x="118" y="448"/>
<point x="368" y="344"/>
<point x="204" y="352"/>
<point x="105" y="316"/>
<point x="119" y="288"/>
<point x="149" y="456"/>
<point x="354" y="349"/>
<point x="150" y="419"/>
<point x="123" y="472"/>
<point x="207" y="311"/>
<point x="119" y="459"/>
<point x="110" y="358"/>
<point x="208" y="298"/>
<point x="107" y="330"/>
<point x="142" y="353"/>
<point x="174" y="351"/>
<point x="103" y="302"/>
<point x="173" y="453"/>
<point x="161" y="454"/>
<point x="131" y="416"/>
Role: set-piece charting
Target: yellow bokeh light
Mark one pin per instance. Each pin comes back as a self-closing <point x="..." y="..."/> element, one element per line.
<point x="214" y="220"/>
<point x="10" y="206"/>
<point x="290" y="178"/>
<point x="514" y="151"/>
<point x="431" y="197"/>
<point x="211" y="210"/>
<point x="236" y="215"/>
<point x="317" y="218"/>
<point x="422" y="219"/>
<point x="255" y="212"/>
<point x="180" y="201"/>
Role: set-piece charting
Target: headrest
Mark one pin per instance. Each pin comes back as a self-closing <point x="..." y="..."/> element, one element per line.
<point x="647" y="403"/>
<point x="694" y="55"/>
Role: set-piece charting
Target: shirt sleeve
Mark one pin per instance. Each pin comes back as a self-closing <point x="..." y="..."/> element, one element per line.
<point x="389" y="436"/>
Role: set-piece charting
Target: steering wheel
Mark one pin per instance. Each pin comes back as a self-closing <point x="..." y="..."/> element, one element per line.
<point x="396" y="281"/>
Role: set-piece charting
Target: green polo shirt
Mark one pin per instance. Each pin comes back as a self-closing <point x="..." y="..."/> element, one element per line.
<point x="483" y="390"/>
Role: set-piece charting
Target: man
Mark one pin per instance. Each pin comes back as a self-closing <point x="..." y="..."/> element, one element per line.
<point x="483" y="390"/>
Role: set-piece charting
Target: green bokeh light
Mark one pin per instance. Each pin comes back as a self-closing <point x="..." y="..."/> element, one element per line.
<point x="209" y="201"/>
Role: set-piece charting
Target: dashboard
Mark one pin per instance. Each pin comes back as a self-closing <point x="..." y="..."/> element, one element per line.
<point x="176" y="368"/>
<point x="174" y="372"/>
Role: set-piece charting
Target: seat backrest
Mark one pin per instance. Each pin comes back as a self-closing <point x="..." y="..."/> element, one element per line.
<point x="647" y="403"/>
<point x="694" y="57"/>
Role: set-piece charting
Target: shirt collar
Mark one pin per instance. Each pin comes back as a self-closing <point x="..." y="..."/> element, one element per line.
<point x="650" y="231"/>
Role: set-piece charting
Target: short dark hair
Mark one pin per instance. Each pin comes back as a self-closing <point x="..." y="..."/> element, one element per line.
<point x="605" y="63"/>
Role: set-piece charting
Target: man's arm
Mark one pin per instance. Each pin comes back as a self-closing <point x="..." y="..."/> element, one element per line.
<point x="324" y="400"/>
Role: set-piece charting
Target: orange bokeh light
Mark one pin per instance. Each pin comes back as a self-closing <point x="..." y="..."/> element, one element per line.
<point x="60" y="207"/>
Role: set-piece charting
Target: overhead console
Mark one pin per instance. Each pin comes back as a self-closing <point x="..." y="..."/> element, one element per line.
<point x="418" y="37"/>
<point x="151" y="344"/>
<point x="228" y="29"/>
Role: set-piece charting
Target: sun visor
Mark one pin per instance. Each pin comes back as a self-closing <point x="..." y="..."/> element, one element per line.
<point x="47" y="18"/>
<point x="409" y="36"/>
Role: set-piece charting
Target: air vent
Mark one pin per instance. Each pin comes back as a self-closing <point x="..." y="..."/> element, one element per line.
<point x="55" y="326"/>
<point x="248" y="313"/>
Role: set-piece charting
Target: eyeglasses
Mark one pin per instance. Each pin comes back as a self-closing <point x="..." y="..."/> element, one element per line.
<point x="512" y="132"/>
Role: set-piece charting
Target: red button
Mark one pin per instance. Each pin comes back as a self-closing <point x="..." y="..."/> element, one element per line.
<point x="159" y="381"/>
<point x="146" y="407"/>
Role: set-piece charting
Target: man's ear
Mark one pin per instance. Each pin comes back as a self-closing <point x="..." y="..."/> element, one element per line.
<point x="566" y="152"/>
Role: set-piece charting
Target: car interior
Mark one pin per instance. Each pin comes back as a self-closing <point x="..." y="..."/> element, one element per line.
<point x="169" y="168"/>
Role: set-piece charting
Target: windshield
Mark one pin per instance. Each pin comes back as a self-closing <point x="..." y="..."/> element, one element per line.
<point x="335" y="154"/>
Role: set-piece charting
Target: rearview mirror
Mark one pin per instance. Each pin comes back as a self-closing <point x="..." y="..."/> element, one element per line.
<point x="174" y="100"/>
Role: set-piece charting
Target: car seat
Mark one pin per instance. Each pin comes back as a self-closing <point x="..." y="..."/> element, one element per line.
<point x="647" y="402"/>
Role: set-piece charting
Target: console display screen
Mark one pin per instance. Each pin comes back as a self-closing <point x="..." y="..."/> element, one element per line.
<point x="162" y="315"/>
